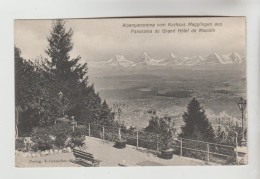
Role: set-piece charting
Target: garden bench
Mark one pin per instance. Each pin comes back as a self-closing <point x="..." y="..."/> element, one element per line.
<point x="85" y="158"/>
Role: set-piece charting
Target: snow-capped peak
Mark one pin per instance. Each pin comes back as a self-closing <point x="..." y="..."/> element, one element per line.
<point x="145" y="54"/>
<point x="116" y="61"/>
<point x="145" y="60"/>
<point x="172" y="55"/>
<point x="215" y="55"/>
<point x="214" y="58"/>
<point x="120" y="60"/>
<point x="233" y="57"/>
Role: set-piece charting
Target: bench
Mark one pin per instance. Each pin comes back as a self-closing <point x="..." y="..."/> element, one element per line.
<point x="122" y="165"/>
<point x="85" y="158"/>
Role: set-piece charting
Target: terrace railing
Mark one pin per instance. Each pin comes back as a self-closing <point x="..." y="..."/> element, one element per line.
<point x="206" y="151"/>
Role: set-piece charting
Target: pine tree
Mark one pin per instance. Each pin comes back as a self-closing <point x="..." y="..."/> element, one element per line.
<point x="50" y="88"/>
<point x="197" y="125"/>
<point x="106" y="115"/>
<point x="69" y="75"/>
<point x="154" y="125"/>
<point x="70" y="78"/>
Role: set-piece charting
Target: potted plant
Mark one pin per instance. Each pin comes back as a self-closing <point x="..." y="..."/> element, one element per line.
<point x="120" y="143"/>
<point x="118" y="109"/>
<point x="167" y="130"/>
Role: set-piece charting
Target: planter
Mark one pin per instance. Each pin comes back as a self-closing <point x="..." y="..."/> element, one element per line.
<point x="120" y="143"/>
<point x="167" y="154"/>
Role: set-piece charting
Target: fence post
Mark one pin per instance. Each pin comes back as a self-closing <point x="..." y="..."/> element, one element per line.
<point x="236" y="152"/>
<point x="103" y="133"/>
<point x="137" y="142"/>
<point x="119" y="133"/>
<point x="157" y="144"/>
<point x="181" y="149"/>
<point x="89" y="129"/>
<point x="207" y="153"/>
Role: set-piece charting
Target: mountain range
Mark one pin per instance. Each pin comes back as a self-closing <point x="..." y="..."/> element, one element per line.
<point x="145" y="60"/>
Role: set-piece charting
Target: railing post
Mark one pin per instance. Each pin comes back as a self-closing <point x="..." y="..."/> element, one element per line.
<point x="89" y="129"/>
<point x="103" y="133"/>
<point x="207" y="153"/>
<point x="157" y="144"/>
<point x="137" y="142"/>
<point x="236" y="151"/>
<point x="181" y="149"/>
<point x="119" y="133"/>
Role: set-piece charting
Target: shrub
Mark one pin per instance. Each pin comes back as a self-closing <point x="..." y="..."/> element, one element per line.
<point x="19" y="144"/>
<point x="60" y="132"/>
<point x="77" y="138"/>
<point x="195" y="145"/>
<point x="76" y="142"/>
<point x="41" y="139"/>
<point x="50" y="137"/>
<point x="164" y="127"/>
<point x="194" y="154"/>
<point x="82" y="129"/>
<point x="111" y="136"/>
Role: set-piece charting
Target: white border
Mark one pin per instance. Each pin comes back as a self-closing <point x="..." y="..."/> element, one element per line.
<point x="28" y="9"/>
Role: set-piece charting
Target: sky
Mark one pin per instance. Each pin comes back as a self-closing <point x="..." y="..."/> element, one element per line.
<point x="101" y="39"/>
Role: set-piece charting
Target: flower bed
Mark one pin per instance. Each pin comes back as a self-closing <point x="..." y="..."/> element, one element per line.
<point x="33" y="154"/>
<point x="50" y="140"/>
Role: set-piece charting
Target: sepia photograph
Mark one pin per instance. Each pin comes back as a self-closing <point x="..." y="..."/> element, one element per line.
<point x="132" y="91"/>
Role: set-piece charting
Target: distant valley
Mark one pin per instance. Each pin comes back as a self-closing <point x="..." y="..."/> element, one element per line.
<point x="151" y="84"/>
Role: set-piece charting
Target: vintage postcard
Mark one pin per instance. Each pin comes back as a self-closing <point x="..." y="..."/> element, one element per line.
<point x="141" y="91"/>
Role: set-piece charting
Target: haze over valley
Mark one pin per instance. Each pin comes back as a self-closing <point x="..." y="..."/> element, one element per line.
<point x="168" y="84"/>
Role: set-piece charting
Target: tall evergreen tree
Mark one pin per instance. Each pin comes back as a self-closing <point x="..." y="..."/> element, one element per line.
<point x="50" y="88"/>
<point x="70" y="78"/>
<point x="69" y="75"/>
<point x="197" y="125"/>
<point x="106" y="115"/>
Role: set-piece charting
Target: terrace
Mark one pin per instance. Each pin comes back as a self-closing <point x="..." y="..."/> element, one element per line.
<point x="110" y="156"/>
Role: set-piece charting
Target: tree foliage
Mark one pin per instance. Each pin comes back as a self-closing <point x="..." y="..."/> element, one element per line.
<point x="153" y="126"/>
<point x="164" y="127"/>
<point x="50" y="88"/>
<point x="197" y="125"/>
<point x="227" y="134"/>
<point x="27" y="94"/>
